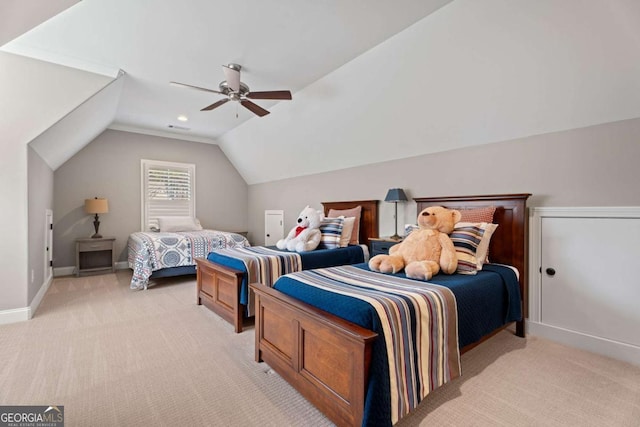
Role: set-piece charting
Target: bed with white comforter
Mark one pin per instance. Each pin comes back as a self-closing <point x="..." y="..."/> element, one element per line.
<point x="161" y="254"/>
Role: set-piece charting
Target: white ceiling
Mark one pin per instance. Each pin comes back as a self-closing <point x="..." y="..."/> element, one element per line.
<point x="371" y="80"/>
<point x="281" y="44"/>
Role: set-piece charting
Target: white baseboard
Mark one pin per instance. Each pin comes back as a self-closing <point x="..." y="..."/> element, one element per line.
<point x="63" y="271"/>
<point x="25" y="313"/>
<point x="39" y="296"/>
<point x="615" y="349"/>
<point x="14" y="315"/>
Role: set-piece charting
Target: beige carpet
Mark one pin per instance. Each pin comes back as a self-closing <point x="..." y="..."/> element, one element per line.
<point x="116" y="357"/>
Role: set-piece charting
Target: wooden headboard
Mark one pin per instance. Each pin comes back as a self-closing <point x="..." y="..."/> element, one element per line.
<point x="509" y="243"/>
<point x="368" y="216"/>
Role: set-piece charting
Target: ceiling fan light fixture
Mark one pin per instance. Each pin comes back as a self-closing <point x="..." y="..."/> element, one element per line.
<point x="227" y="90"/>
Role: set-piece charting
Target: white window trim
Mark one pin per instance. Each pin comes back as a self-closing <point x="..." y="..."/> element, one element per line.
<point x="144" y="166"/>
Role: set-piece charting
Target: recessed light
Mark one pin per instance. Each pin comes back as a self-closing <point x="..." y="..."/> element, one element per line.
<point x="183" y="118"/>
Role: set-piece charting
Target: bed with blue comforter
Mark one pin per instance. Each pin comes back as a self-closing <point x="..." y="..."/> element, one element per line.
<point x="224" y="276"/>
<point x="484" y="303"/>
<point x="365" y="356"/>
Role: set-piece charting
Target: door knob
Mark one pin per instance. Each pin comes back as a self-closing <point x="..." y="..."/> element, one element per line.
<point x="550" y="271"/>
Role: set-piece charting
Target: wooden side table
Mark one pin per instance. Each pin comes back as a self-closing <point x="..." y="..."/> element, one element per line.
<point x="95" y="255"/>
<point x="381" y="245"/>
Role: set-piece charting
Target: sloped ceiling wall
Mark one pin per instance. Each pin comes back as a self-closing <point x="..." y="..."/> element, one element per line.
<point x="19" y="16"/>
<point x="69" y="135"/>
<point x="37" y="94"/>
<point x="55" y="108"/>
<point x="469" y="74"/>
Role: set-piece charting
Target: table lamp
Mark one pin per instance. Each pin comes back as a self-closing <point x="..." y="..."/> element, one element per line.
<point x="96" y="206"/>
<point x="396" y="195"/>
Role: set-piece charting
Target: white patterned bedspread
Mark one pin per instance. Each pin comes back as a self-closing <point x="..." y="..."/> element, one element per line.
<point x="149" y="252"/>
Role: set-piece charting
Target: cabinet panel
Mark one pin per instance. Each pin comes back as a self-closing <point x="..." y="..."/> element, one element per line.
<point x="95" y="255"/>
<point x="595" y="289"/>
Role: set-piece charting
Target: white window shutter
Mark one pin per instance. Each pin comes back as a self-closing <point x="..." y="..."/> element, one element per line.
<point x="168" y="190"/>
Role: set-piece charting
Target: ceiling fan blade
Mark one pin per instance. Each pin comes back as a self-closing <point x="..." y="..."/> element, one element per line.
<point x="233" y="77"/>
<point x="194" y="87"/>
<point x="272" y="94"/>
<point x="254" y="108"/>
<point x="215" y="104"/>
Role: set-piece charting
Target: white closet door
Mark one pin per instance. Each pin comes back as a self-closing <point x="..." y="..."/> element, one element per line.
<point x="590" y="279"/>
<point x="273" y="226"/>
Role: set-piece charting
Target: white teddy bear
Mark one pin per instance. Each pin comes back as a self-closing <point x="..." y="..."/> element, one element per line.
<point x="306" y="235"/>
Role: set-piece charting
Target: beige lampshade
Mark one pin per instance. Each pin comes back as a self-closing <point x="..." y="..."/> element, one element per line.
<point x="96" y="206"/>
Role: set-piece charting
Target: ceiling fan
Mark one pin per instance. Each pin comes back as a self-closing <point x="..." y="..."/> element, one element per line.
<point x="235" y="90"/>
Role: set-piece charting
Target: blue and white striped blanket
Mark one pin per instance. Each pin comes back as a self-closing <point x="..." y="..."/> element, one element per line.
<point x="419" y="324"/>
<point x="263" y="264"/>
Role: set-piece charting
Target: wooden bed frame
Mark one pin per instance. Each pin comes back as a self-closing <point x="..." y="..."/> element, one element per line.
<point x="327" y="358"/>
<point x="218" y="287"/>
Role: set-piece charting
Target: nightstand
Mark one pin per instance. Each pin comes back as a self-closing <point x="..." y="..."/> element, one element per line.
<point x="95" y="255"/>
<point x="381" y="245"/>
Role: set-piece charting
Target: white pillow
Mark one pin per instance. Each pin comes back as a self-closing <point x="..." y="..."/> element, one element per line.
<point x="347" y="229"/>
<point x="178" y="223"/>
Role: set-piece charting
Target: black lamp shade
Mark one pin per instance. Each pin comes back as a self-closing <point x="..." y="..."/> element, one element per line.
<point x="396" y="195"/>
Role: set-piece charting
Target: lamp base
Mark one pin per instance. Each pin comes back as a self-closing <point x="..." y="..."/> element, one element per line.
<point x="395" y="237"/>
<point x="96" y="226"/>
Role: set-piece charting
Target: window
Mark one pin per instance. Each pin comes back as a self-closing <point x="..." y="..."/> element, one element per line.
<point x="168" y="189"/>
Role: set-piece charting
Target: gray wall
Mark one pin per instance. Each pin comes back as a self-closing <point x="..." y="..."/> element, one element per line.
<point x="110" y="167"/>
<point x="592" y="166"/>
<point x="40" y="189"/>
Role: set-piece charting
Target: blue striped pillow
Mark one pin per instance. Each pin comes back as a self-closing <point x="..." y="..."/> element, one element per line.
<point x="331" y="230"/>
<point x="471" y="241"/>
<point x="466" y="241"/>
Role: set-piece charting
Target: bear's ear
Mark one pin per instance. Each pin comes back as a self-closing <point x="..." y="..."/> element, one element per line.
<point x="457" y="216"/>
<point x="306" y="207"/>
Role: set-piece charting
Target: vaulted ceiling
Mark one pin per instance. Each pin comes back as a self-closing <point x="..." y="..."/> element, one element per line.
<point x="371" y="80"/>
<point x="281" y="44"/>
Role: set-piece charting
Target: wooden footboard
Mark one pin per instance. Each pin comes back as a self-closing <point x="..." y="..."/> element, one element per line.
<point x="218" y="289"/>
<point x="322" y="356"/>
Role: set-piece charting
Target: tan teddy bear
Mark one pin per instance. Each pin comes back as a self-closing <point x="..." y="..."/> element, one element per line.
<point x="425" y="251"/>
